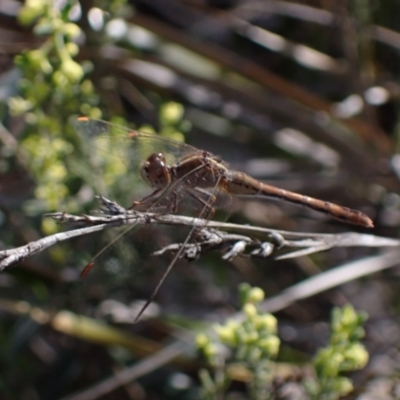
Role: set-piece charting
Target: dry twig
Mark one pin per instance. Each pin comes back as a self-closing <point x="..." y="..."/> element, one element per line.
<point x="211" y="236"/>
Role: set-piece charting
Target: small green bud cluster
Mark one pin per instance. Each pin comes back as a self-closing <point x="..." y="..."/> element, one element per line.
<point x="49" y="70"/>
<point x="51" y="88"/>
<point x="253" y="338"/>
<point x="343" y="354"/>
<point x="252" y="341"/>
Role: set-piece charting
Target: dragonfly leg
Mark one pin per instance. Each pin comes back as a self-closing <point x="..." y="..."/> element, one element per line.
<point x="174" y="203"/>
<point x="146" y="201"/>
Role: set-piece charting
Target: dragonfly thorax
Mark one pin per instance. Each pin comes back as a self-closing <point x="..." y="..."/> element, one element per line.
<point x="155" y="171"/>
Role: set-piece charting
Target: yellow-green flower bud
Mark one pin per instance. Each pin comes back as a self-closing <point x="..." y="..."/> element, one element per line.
<point x="349" y="315"/>
<point x="329" y="362"/>
<point x="35" y="56"/>
<point x="71" y="30"/>
<point x="57" y="24"/>
<point x="250" y="310"/>
<point x="251" y="337"/>
<point x="72" y="48"/>
<point x="59" y="79"/>
<point x="227" y="332"/>
<point x="343" y="385"/>
<point x="56" y="172"/>
<point x="202" y="340"/>
<point x="172" y="112"/>
<point x="267" y="322"/>
<point x="255" y="295"/>
<point x="38" y="60"/>
<point x="46" y="67"/>
<point x="270" y="345"/>
<point x="356" y="356"/>
<point x="72" y="70"/>
<point x="31" y="10"/>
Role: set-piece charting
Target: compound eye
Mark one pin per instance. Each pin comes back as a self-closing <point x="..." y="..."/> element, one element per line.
<point x="155" y="171"/>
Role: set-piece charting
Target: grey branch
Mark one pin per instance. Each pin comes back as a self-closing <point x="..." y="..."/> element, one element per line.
<point x="232" y="239"/>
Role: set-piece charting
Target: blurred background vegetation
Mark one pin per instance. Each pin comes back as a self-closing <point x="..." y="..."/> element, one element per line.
<point x="304" y="95"/>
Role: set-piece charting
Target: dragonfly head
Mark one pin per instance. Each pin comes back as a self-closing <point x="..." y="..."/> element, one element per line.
<point x="155" y="171"/>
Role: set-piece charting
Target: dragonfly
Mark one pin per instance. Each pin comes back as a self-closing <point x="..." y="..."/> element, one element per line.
<point x="180" y="174"/>
<point x="176" y="171"/>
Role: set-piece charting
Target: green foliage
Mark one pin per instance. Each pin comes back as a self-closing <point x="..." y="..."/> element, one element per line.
<point x="253" y="342"/>
<point x="343" y="354"/>
<point x="52" y="88"/>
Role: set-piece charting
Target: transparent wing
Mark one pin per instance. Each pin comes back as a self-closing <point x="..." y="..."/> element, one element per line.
<point x="110" y="165"/>
<point x="113" y="155"/>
